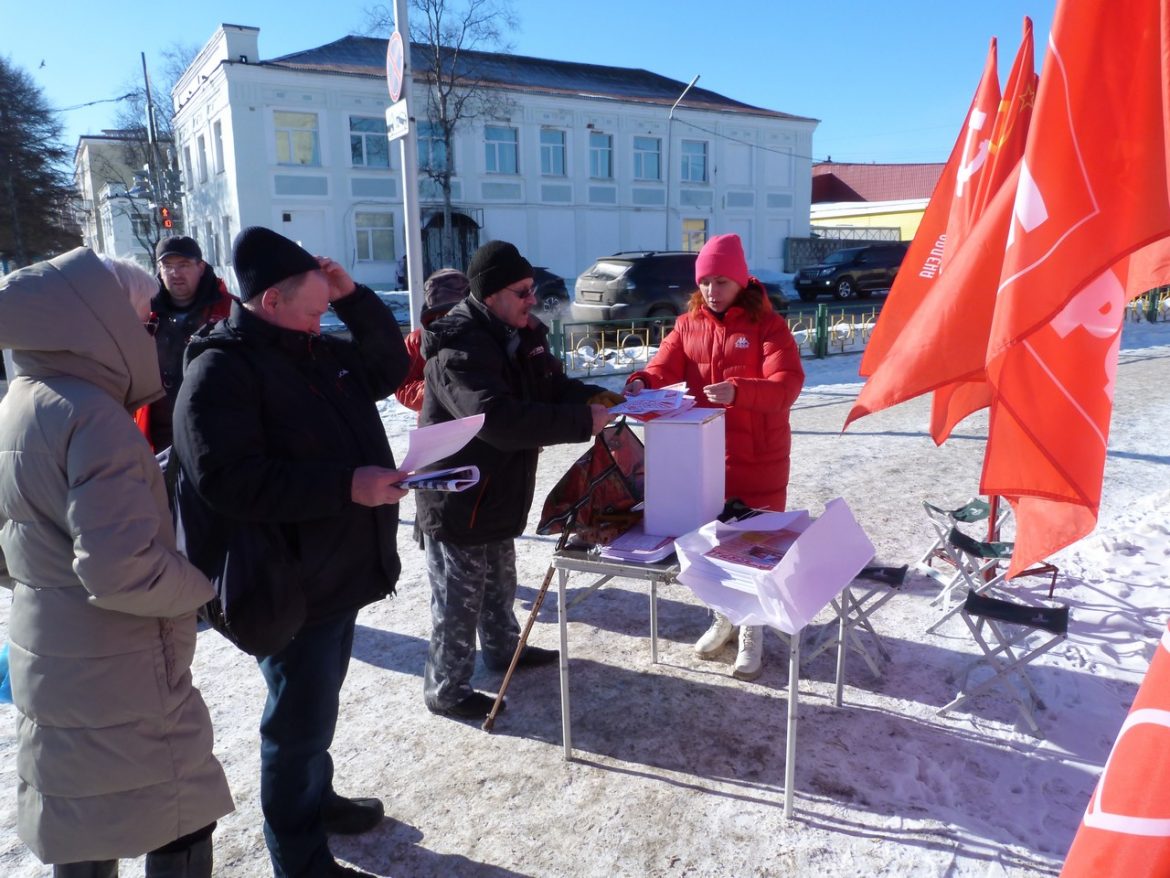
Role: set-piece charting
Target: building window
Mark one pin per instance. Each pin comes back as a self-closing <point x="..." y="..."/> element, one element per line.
<point x="432" y="151"/>
<point x="217" y="135"/>
<point x="297" y="141"/>
<point x="552" y="152"/>
<point x="211" y="243"/>
<point x="368" y="144"/>
<point x="694" y="234"/>
<point x="647" y="158"/>
<point x="375" y="236"/>
<point x="600" y="156"/>
<point x="201" y="144"/>
<point x="141" y="227"/>
<point x="694" y="161"/>
<point x="501" y="149"/>
<point x="227" y="240"/>
<point x="187" y="167"/>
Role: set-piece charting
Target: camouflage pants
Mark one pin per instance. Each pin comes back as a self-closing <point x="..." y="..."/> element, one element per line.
<point x="473" y="589"/>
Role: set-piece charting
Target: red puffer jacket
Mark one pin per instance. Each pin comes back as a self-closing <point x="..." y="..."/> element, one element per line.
<point x="753" y="349"/>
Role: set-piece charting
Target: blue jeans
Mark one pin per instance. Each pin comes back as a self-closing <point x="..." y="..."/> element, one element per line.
<point x="296" y="730"/>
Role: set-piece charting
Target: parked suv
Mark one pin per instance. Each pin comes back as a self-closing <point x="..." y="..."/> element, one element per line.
<point x="635" y="284"/>
<point x="857" y="271"/>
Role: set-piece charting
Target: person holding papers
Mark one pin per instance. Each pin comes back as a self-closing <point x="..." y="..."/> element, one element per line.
<point x="733" y="351"/>
<point x="277" y="429"/>
<point x="490" y="356"/>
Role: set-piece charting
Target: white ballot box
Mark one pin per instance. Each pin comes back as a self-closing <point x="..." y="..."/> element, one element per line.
<point x="684" y="471"/>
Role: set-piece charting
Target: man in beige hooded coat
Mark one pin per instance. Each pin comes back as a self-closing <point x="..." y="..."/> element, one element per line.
<point x="115" y="744"/>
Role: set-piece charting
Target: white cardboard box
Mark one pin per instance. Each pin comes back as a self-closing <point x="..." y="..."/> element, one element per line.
<point x="830" y="551"/>
<point x="685" y="471"/>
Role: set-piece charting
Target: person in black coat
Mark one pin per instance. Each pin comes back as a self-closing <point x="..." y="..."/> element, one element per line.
<point x="276" y="424"/>
<point x="489" y="355"/>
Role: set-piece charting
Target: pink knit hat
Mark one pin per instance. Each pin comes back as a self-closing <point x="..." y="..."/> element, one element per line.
<point x="722" y="256"/>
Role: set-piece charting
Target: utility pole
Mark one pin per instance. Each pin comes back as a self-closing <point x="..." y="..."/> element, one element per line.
<point x="669" y="151"/>
<point x="412" y="218"/>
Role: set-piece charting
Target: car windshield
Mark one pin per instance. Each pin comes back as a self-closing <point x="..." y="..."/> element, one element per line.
<point x="609" y="270"/>
<point x="841" y="257"/>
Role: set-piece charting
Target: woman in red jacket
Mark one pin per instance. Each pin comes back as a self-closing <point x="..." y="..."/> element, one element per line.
<point x="735" y="352"/>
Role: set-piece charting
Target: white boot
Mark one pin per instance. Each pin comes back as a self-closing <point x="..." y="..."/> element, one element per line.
<point x="749" y="663"/>
<point x="715" y="637"/>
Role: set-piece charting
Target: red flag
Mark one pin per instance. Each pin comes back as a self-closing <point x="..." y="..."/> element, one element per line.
<point x="953" y="402"/>
<point x="1149" y="268"/>
<point x="924" y="258"/>
<point x="1092" y="189"/>
<point x="1126" y="828"/>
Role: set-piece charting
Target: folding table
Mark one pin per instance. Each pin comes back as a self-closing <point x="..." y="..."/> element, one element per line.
<point x="571" y="560"/>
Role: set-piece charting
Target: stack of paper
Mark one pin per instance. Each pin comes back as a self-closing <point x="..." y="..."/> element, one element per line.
<point x="818" y="560"/>
<point x="744" y="553"/>
<point x="651" y="404"/>
<point x="637" y="546"/>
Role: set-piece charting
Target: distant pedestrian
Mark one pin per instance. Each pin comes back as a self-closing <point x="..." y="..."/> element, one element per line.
<point x="442" y="291"/>
<point x="189" y="295"/>
<point x="736" y="353"/>
<point x="114" y="742"/>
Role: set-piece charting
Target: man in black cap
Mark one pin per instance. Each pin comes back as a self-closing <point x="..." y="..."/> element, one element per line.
<point x="189" y="295"/>
<point x="490" y="355"/>
<point x="277" y="424"/>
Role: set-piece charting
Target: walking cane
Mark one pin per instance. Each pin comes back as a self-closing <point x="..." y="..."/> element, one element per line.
<point x="536" y="604"/>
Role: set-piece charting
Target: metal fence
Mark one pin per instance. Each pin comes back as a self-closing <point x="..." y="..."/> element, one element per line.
<point x="820" y="330"/>
<point x="622" y="346"/>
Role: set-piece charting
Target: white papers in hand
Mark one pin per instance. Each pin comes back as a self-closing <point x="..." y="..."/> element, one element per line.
<point x="428" y="444"/>
<point x="458" y="478"/>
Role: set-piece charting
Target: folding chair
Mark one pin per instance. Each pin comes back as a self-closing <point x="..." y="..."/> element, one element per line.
<point x="1010" y="625"/>
<point x="942" y="520"/>
<point x="981" y="567"/>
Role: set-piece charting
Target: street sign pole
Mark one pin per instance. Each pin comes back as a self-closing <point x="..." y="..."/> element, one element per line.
<point x="398" y="67"/>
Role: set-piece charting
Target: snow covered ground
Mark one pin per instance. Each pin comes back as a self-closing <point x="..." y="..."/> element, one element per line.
<point x="680" y="768"/>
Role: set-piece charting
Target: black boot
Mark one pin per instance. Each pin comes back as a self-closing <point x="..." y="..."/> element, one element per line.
<point x="190" y="862"/>
<point x="87" y="869"/>
<point x="342" y="816"/>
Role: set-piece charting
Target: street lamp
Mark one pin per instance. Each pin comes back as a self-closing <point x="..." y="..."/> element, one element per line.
<point x="669" y="162"/>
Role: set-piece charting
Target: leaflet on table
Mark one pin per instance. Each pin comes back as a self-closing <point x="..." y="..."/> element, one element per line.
<point x="638" y="546"/>
<point x="759" y="550"/>
<point x="458" y="478"/>
<point x="434" y="442"/>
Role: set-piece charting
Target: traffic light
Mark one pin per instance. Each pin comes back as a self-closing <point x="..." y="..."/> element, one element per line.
<point x="164" y="216"/>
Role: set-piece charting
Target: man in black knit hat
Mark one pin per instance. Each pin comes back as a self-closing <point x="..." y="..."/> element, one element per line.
<point x="489" y="355"/>
<point x="189" y="295"/>
<point x="276" y="426"/>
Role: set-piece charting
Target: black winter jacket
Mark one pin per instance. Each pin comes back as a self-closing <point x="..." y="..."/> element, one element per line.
<point x="173" y="326"/>
<point x="269" y="427"/>
<point x="528" y="402"/>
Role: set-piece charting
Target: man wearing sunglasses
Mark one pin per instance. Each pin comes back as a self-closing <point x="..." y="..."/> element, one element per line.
<point x="490" y="355"/>
<point x="189" y="295"/>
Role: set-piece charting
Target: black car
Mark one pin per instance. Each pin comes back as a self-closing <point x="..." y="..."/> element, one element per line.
<point x="635" y="284"/>
<point x="854" y="272"/>
<point x="552" y="296"/>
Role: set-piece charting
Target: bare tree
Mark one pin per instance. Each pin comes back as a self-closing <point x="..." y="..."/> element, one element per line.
<point x="454" y="42"/>
<point x="139" y="152"/>
<point x="35" y="190"/>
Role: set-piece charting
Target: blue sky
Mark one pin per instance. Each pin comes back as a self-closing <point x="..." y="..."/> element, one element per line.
<point x="890" y="80"/>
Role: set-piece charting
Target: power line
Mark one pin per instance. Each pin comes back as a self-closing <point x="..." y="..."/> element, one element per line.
<point x="94" y="103"/>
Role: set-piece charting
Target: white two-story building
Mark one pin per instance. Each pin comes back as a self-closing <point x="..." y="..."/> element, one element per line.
<point x="583" y="162"/>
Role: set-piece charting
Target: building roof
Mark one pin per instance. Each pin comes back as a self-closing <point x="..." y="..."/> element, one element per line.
<point x="366" y="56"/>
<point x="840" y="181"/>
